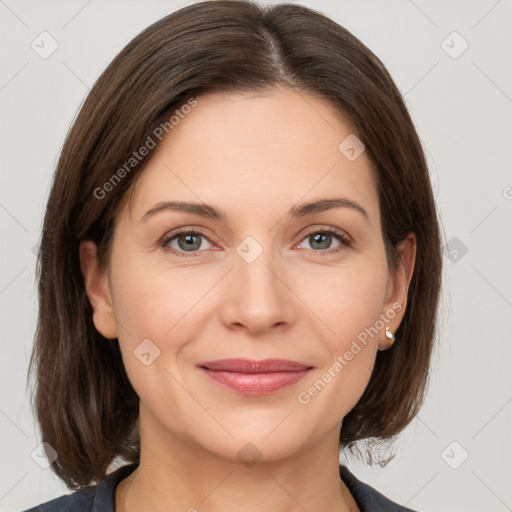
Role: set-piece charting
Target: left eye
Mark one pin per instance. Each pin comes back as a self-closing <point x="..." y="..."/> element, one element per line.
<point x="320" y="241"/>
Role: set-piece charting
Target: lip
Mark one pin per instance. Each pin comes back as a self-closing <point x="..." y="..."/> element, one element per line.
<point x="252" y="377"/>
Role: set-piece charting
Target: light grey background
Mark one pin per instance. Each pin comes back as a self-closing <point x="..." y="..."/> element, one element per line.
<point x="462" y="108"/>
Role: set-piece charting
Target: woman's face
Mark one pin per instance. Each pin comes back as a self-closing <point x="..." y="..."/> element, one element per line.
<point x="266" y="278"/>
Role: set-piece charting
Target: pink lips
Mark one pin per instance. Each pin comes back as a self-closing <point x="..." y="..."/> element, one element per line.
<point x="255" y="377"/>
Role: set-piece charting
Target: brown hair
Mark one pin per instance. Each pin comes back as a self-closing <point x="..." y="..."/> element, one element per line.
<point x="84" y="402"/>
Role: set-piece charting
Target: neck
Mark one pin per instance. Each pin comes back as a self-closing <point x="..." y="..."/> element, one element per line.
<point x="175" y="475"/>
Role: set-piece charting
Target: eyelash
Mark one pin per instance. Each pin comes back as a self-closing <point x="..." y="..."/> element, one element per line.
<point x="345" y="241"/>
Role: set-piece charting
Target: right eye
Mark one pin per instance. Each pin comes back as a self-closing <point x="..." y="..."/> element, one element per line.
<point x="186" y="241"/>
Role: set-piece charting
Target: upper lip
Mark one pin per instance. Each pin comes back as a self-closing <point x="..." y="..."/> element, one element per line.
<point x="241" y="365"/>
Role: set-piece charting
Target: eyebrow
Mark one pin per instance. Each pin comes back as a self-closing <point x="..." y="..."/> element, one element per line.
<point x="207" y="211"/>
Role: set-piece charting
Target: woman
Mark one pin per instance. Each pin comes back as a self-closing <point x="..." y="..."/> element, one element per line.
<point x="239" y="269"/>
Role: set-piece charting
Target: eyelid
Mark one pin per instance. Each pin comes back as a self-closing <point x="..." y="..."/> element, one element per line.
<point x="328" y="229"/>
<point x="184" y="229"/>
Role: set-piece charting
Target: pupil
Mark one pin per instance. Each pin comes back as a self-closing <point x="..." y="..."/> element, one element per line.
<point x="189" y="242"/>
<point x="318" y="239"/>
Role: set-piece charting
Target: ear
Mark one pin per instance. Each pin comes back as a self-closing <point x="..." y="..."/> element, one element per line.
<point x="398" y="287"/>
<point x="98" y="290"/>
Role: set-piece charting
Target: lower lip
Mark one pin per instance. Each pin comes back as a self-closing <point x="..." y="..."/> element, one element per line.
<point x="256" y="383"/>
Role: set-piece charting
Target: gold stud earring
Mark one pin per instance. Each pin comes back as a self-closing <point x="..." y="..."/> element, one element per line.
<point x="390" y="337"/>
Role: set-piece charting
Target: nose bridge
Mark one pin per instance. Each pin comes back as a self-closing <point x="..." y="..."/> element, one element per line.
<point x="257" y="296"/>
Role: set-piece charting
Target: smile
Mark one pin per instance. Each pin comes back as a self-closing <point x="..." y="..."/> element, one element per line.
<point x="255" y="377"/>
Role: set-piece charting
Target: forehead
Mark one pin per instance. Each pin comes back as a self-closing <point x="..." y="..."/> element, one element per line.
<point x="244" y="150"/>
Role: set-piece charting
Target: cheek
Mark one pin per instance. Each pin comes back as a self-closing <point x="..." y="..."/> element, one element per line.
<point x="150" y="299"/>
<point x="150" y="312"/>
<point x="348" y="360"/>
<point x="158" y="310"/>
<point x="348" y="300"/>
<point x="351" y="307"/>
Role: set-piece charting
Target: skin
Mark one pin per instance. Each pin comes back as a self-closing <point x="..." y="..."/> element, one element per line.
<point x="254" y="156"/>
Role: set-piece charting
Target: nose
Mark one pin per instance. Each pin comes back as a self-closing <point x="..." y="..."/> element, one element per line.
<point x="258" y="296"/>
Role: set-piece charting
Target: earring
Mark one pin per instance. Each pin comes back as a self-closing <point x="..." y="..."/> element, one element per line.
<point x="390" y="337"/>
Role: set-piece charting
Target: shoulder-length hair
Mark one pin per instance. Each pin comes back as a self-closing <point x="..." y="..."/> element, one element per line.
<point x="85" y="405"/>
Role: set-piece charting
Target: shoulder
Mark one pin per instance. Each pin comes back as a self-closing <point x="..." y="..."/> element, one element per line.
<point x="81" y="501"/>
<point x="93" y="498"/>
<point x="366" y="497"/>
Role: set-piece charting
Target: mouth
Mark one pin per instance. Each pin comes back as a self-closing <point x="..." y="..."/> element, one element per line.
<point x="255" y="377"/>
